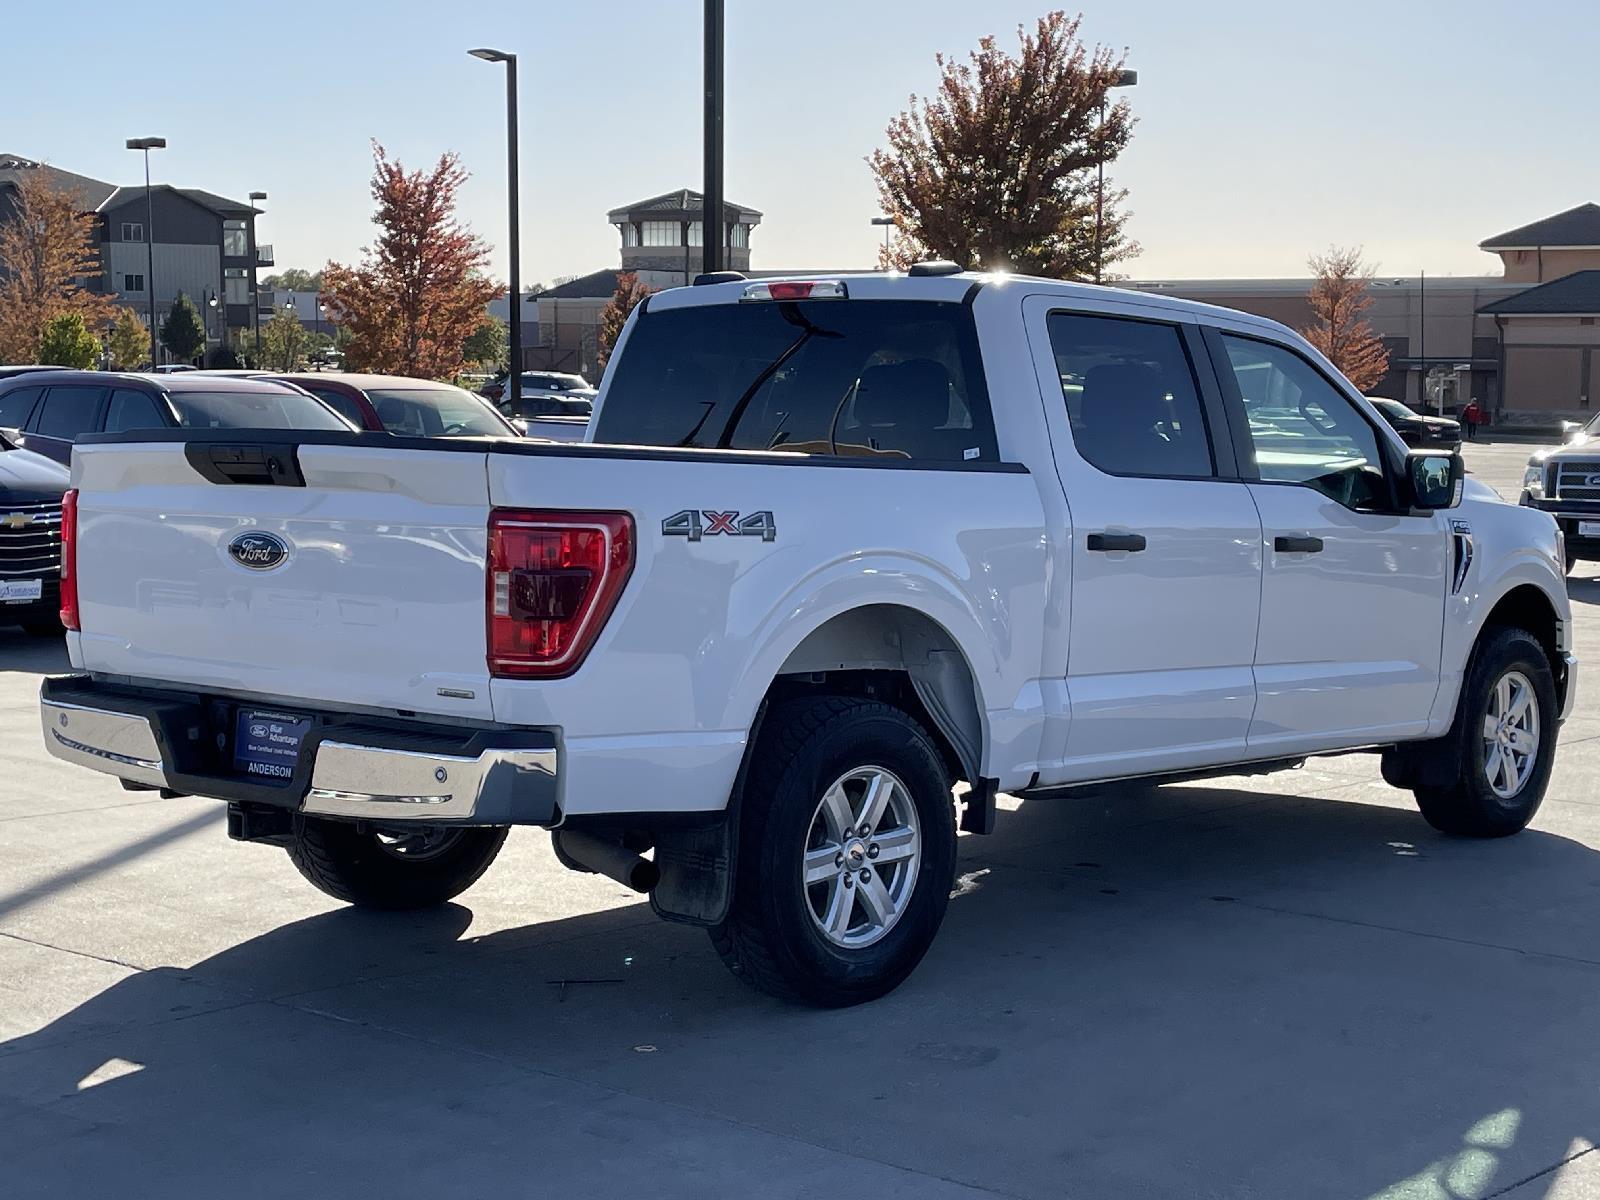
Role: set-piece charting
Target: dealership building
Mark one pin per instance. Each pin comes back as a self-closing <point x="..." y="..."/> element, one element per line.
<point x="1522" y="341"/>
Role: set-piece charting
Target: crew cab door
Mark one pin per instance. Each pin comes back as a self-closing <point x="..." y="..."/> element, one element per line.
<point x="1353" y="592"/>
<point x="1166" y="543"/>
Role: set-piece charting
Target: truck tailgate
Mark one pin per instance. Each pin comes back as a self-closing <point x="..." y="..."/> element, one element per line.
<point x="377" y="600"/>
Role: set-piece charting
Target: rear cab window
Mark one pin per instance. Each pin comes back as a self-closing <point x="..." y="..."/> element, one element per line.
<point x="874" y="379"/>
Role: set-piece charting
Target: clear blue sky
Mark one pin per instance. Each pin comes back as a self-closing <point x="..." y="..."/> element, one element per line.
<point x="1267" y="129"/>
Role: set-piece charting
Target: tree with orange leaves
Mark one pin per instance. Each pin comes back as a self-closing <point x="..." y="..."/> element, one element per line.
<point x="627" y="297"/>
<point x="998" y="169"/>
<point x="421" y="291"/>
<point x="1340" y="298"/>
<point x="46" y="249"/>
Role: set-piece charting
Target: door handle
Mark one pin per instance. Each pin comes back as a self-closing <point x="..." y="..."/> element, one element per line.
<point x="1132" y="542"/>
<point x="1297" y="545"/>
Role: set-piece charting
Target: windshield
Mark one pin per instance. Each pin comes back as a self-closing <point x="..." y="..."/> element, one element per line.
<point x="437" y="411"/>
<point x="1391" y="408"/>
<point x="890" y="378"/>
<point x="556" y="383"/>
<point x="265" y="409"/>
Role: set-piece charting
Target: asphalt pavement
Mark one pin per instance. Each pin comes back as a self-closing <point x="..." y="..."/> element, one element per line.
<point x="1285" y="987"/>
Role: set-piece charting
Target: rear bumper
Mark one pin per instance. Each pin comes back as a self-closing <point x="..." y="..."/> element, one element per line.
<point x="350" y="766"/>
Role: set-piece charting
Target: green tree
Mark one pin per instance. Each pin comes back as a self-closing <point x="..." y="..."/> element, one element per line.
<point x="284" y="341"/>
<point x="223" y="358"/>
<point x="129" y="341"/>
<point x="488" y="343"/>
<point x="67" y="342"/>
<point x="183" y="333"/>
<point x="293" y="279"/>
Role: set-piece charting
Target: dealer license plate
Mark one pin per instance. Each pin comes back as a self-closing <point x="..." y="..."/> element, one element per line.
<point x="266" y="745"/>
<point x="19" y="591"/>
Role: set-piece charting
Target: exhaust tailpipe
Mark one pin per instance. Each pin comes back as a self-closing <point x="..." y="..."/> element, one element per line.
<point x="611" y="859"/>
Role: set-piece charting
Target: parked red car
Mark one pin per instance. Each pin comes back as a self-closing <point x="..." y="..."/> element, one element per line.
<point x="396" y="404"/>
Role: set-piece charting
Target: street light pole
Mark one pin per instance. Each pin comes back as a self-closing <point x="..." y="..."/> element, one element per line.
<point x="712" y="234"/>
<point x="1123" y="79"/>
<point x="888" y="224"/>
<point x="255" y="295"/>
<point x="514" y="373"/>
<point x="148" y="144"/>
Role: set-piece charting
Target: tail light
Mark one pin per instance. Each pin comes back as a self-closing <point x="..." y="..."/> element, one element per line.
<point x="69" y="559"/>
<point x="554" y="578"/>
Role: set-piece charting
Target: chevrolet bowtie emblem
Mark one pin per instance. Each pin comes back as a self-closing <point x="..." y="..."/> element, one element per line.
<point x="16" y="520"/>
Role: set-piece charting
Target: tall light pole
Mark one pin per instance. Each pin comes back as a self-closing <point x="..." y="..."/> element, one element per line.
<point x="1123" y="79"/>
<point x="888" y="224"/>
<point x="712" y="235"/>
<point x="255" y="297"/>
<point x="514" y="373"/>
<point x="148" y="144"/>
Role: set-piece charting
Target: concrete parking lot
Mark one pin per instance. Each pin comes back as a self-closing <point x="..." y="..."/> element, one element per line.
<point x="1277" y="987"/>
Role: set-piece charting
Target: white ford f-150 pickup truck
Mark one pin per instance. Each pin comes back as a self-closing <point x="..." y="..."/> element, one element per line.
<point x="835" y="547"/>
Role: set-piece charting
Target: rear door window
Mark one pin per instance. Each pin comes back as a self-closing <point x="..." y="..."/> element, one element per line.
<point x="1131" y="396"/>
<point x="69" y="412"/>
<point x="16" y="404"/>
<point x="133" y="409"/>
<point x="879" y="379"/>
<point x="341" y="403"/>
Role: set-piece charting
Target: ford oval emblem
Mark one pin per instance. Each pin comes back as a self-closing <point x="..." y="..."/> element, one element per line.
<point x="258" y="551"/>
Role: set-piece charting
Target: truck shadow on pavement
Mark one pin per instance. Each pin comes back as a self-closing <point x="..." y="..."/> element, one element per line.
<point x="1179" y="991"/>
<point x="34" y="655"/>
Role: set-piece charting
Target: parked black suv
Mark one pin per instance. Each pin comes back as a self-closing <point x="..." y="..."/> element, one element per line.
<point x="1419" y="429"/>
<point x="47" y="413"/>
<point x="31" y="487"/>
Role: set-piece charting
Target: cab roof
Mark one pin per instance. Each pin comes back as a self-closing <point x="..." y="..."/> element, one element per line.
<point x="972" y="287"/>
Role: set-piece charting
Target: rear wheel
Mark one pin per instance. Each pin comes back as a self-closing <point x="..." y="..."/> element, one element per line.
<point x="391" y="867"/>
<point x="1503" y="741"/>
<point x="847" y="853"/>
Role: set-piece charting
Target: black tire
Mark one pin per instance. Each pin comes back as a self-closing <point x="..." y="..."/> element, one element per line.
<point x="770" y="938"/>
<point x="1469" y="807"/>
<point x="354" y="864"/>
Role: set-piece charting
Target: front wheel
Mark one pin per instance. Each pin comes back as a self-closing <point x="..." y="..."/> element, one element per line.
<point x="391" y="867"/>
<point x="847" y="853"/>
<point x="1503" y="741"/>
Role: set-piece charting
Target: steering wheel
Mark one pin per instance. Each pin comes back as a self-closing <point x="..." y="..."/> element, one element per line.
<point x="453" y="429"/>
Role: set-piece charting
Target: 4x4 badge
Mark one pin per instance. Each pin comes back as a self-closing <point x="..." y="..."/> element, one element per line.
<point x="694" y="524"/>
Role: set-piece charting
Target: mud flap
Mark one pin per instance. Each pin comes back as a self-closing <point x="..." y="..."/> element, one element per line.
<point x="696" y="866"/>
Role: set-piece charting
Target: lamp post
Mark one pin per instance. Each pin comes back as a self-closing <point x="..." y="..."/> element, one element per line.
<point x="214" y="304"/>
<point x="713" y="235"/>
<point x="255" y="298"/>
<point x="1123" y="79"/>
<point x="514" y="309"/>
<point x="888" y="224"/>
<point x="148" y="144"/>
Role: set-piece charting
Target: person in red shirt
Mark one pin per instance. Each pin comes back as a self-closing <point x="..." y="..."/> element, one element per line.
<point x="1471" y="418"/>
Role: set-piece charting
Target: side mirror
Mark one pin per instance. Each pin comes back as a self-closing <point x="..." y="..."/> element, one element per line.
<point x="1570" y="430"/>
<point x="1435" y="480"/>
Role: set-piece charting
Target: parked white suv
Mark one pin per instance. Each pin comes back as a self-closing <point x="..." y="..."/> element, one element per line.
<point x="852" y="541"/>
